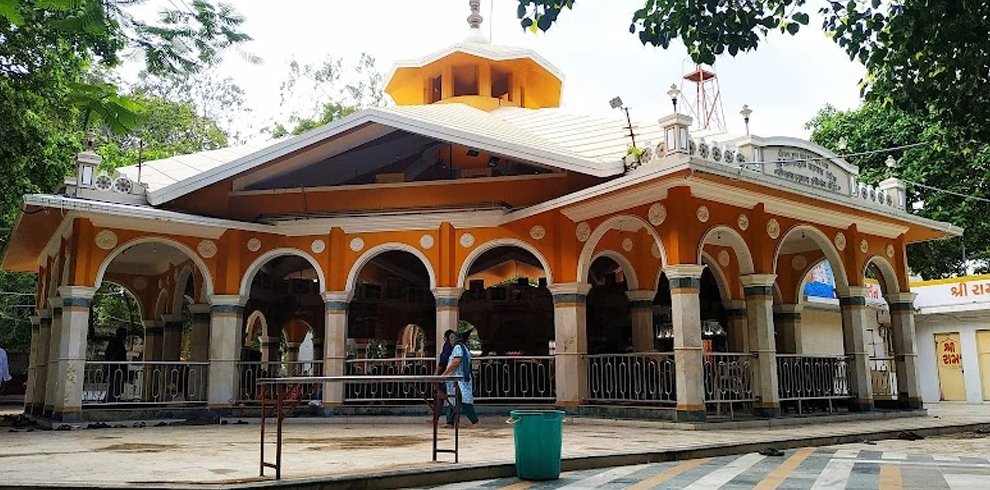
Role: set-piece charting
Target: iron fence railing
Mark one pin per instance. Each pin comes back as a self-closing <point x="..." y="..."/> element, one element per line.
<point x="248" y="373"/>
<point x="144" y="383"/>
<point x="883" y="377"/>
<point x="646" y="377"/>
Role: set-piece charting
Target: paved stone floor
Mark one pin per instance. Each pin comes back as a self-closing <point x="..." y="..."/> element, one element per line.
<point x="884" y="465"/>
<point x="219" y="454"/>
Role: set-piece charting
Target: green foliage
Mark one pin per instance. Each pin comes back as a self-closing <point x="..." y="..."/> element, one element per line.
<point x="49" y="53"/>
<point x="335" y="96"/>
<point x="939" y="164"/>
<point x="169" y="129"/>
<point x="16" y="310"/>
<point x="928" y="67"/>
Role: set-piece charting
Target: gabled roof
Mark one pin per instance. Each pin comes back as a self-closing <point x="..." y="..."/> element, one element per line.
<point x="547" y="137"/>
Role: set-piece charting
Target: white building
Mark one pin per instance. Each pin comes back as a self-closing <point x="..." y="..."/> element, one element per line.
<point x="953" y="338"/>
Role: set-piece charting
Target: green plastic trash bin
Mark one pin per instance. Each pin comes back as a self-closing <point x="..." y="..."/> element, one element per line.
<point x="538" y="439"/>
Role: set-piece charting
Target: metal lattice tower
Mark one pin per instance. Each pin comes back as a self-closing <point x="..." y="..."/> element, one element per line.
<point x="705" y="103"/>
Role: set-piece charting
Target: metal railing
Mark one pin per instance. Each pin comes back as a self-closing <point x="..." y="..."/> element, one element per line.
<point x="728" y="380"/>
<point x="883" y="377"/>
<point x="144" y="383"/>
<point x="494" y="379"/>
<point x="499" y="378"/>
<point x="646" y="377"/>
<point x="248" y="373"/>
<point x="387" y="391"/>
<point x="809" y="378"/>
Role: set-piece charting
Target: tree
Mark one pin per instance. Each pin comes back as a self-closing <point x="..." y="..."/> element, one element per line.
<point x="930" y="58"/>
<point x="49" y="53"/>
<point x="938" y="164"/>
<point x="169" y="128"/>
<point x="928" y="68"/>
<point x="335" y="96"/>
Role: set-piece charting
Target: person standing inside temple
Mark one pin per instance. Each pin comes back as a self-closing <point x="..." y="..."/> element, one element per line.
<point x="115" y="353"/>
<point x="460" y="364"/>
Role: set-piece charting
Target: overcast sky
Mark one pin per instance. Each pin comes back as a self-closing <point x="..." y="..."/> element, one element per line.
<point x="785" y="82"/>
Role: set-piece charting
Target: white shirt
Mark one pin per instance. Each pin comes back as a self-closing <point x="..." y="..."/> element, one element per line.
<point x="4" y="368"/>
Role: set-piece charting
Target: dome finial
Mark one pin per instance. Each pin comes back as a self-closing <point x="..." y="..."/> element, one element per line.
<point x="474" y="21"/>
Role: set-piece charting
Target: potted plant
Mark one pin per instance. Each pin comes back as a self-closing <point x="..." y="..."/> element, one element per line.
<point x="634" y="156"/>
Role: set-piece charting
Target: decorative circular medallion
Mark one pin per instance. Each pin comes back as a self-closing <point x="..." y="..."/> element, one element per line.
<point x="467" y="240"/>
<point x="206" y="248"/>
<point x="799" y="262"/>
<point x="655" y="250"/>
<point x="723" y="258"/>
<point x="254" y="245"/>
<point x="318" y="246"/>
<point x="657" y="213"/>
<point x="103" y="182"/>
<point x="123" y="185"/>
<point x="773" y="228"/>
<point x="426" y="241"/>
<point x="627" y="244"/>
<point x="357" y="244"/>
<point x="537" y="232"/>
<point x="583" y="232"/>
<point x="140" y="283"/>
<point x="840" y="241"/>
<point x="890" y="250"/>
<point x="703" y="214"/>
<point x="106" y="239"/>
<point x="743" y="222"/>
<point x="864" y="246"/>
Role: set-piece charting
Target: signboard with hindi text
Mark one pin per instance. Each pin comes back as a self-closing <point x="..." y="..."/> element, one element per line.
<point x="806" y="168"/>
<point x="969" y="290"/>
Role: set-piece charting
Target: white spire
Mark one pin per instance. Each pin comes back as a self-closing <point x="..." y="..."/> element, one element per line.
<point x="474" y="21"/>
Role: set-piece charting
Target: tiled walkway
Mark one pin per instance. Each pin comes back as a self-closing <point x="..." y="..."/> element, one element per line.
<point x="352" y="448"/>
<point x="836" y="467"/>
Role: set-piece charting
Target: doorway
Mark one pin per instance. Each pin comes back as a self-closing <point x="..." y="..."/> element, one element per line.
<point x="948" y="357"/>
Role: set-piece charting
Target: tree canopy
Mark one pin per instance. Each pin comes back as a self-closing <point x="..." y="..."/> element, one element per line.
<point x="928" y="80"/>
<point x="54" y="60"/>
<point x="922" y="56"/>
<point x="938" y="164"/>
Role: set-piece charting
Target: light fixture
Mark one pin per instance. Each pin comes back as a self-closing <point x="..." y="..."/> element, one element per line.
<point x="746" y="112"/>
<point x="674" y="93"/>
<point x="842" y="144"/>
<point x="891" y="162"/>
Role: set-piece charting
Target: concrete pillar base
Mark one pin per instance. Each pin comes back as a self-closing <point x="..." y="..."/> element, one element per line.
<point x="67" y="416"/>
<point x="690" y="415"/>
<point x="767" y="412"/>
<point x="910" y="403"/>
<point x="859" y="405"/>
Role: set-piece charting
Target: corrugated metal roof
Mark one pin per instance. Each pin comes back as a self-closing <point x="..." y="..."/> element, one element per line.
<point x="167" y="171"/>
<point x="593" y="138"/>
<point x="550" y="137"/>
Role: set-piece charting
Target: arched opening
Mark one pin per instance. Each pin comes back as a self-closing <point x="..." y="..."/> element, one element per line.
<point x="609" y="321"/>
<point x="285" y="304"/>
<point x="884" y="341"/>
<point x="391" y="291"/>
<point x="810" y="332"/>
<point x="152" y="281"/>
<point x="508" y="302"/>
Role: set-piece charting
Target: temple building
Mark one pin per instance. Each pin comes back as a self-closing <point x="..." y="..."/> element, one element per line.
<point x="672" y="275"/>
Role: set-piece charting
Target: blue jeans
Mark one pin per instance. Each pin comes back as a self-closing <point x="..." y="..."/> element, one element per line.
<point x="466" y="409"/>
